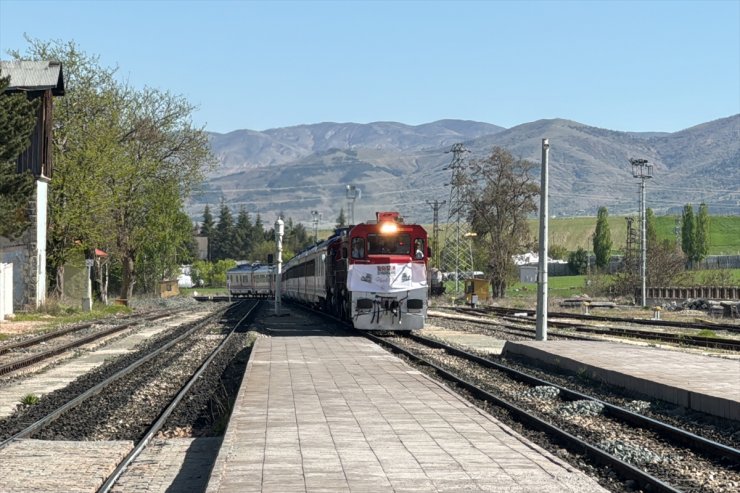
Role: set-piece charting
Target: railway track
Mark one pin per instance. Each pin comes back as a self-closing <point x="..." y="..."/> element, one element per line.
<point x="601" y="318"/>
<point x="567" y="329"/>
<point x="133" y="397"/>
<point x="645" y="452"/>
<point x="64" y="340"/>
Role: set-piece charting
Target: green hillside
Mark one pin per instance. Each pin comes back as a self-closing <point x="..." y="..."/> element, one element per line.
<point x="724" y="232"/>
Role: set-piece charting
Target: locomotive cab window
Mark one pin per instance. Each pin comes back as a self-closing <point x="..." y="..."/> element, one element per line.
<point x="358" y="247"/>
<point x="389" y="244"/>
<point x="419" y="248"/>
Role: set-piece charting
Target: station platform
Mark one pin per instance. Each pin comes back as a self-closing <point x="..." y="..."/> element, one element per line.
<point x="708" y="384"/>
<point x="330" y="413"/>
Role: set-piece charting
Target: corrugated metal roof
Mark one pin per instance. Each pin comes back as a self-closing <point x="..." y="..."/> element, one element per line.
<point x="26" y="75"/>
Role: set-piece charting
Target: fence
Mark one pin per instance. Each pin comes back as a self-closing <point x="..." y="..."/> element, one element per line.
<point x="6" y="290"/>
<point x="718" y="262"/>
<point x="705" y="292"/>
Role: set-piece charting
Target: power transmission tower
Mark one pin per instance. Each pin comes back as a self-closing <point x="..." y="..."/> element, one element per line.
<point x="436" y="205"/>
<point x="457" y="255"/>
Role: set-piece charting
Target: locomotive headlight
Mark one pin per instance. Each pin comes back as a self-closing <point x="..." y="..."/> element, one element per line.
<point x="388" y="228"/>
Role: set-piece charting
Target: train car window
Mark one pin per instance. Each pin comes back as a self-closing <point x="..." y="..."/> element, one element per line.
<point x="389" y="244"/>
<point x="344" y="252"/>
<point x="358" y="247"/>
<point x="419" y="248"/>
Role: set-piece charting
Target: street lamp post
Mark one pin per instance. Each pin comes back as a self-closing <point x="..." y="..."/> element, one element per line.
<point x="316" y="218"/>
<point x="353" y="193"/>
<point x="642" y="170"/>
<point x="279" y="231"/>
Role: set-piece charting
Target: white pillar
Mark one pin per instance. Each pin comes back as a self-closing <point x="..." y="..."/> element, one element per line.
<point x="541" y="330"/>
<point x="42" y="193"/>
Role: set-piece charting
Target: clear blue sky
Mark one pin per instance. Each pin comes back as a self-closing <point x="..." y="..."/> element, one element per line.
<point x="643" y="66"/>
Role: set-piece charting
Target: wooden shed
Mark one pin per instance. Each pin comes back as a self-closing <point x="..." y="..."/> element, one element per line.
<point x="38" y="80"/>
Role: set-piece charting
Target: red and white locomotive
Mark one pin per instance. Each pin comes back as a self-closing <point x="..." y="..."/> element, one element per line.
<point x="373" y="274"/>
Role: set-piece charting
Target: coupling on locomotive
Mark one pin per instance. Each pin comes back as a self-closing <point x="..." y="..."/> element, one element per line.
<point x="373" y="274"/>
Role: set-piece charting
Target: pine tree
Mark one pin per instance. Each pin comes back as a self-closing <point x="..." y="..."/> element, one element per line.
<point x="206" y="227"/>
<point x="224" y="234"/>
<point x="341" y="219"/>
<point x="258" y="234"/>
<point x="602" y="239"/>
<point x="243" y="235"/>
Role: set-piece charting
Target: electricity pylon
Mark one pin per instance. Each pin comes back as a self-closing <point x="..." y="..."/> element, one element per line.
<point x="457" y="255"/>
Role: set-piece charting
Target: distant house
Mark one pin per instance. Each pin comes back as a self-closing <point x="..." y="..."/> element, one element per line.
<point x="38" y="80"/>
<point x="528" y="266"/>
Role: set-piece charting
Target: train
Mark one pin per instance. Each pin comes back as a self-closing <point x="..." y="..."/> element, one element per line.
<point x="251" y="281"/>
<point x="373" y="275"/>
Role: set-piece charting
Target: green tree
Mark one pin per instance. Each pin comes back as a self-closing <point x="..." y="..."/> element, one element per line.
<point x="651" y="234"/>
<point x="120" y="154"/>
<point x="17" y="120"/>
<point x="688" y="232"/>
<point x="168" y="234"/>
<point x="85" y="145"/>
<point x="161" y="146"/>
<point x="701" y="237"/>
<point x="499" y="194"/>
<point x="557" y="252"/>
<point x="578" y="261"/>
<point x="602" y="239"/>
<point x="341" y="219"/>
<point x="207" y="225"/>
<point x="258" y="232"/>
<point x="243" y="235"/>
<point x="223" y="244"/>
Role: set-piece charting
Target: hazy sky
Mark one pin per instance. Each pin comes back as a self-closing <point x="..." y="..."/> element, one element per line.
<point x="643" y="66"/>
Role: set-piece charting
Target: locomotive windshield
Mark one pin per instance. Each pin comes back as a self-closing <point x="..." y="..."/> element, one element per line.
<point x="389" y="244"/>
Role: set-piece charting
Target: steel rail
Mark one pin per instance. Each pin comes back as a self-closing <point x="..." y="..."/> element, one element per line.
<point x="36" y="358"/>
<point x="602" y="318"/>
<point x="100" y="386"/>
<point x="157" y="425"/>
<point x="73" y="328"/>
<point x="571" y="442"/>
<point x="677" y="435"/>
<point x="686" y="339"/>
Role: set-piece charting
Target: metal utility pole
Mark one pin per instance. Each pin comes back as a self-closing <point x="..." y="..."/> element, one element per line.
<point x="316" y="218"/>
<point x="458" y="250"/>
<point x="353" y="193"/>
<point x="279" y="231"/>
<point x="541" y="330"/>
<point x="436" y="205"/>
<point x="642" y="170"/>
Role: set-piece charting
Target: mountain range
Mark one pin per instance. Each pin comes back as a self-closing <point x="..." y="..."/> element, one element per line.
<point x="299" y="169"/>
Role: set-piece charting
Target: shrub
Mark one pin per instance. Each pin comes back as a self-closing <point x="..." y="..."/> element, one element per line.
<point x="30" y="400"/>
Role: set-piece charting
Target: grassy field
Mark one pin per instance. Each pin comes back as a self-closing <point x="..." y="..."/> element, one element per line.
<point x="574" y="232"/>
<point x="724" y="232"/>
<point x="204" y="291"/>
<point x="571" y="286"/>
